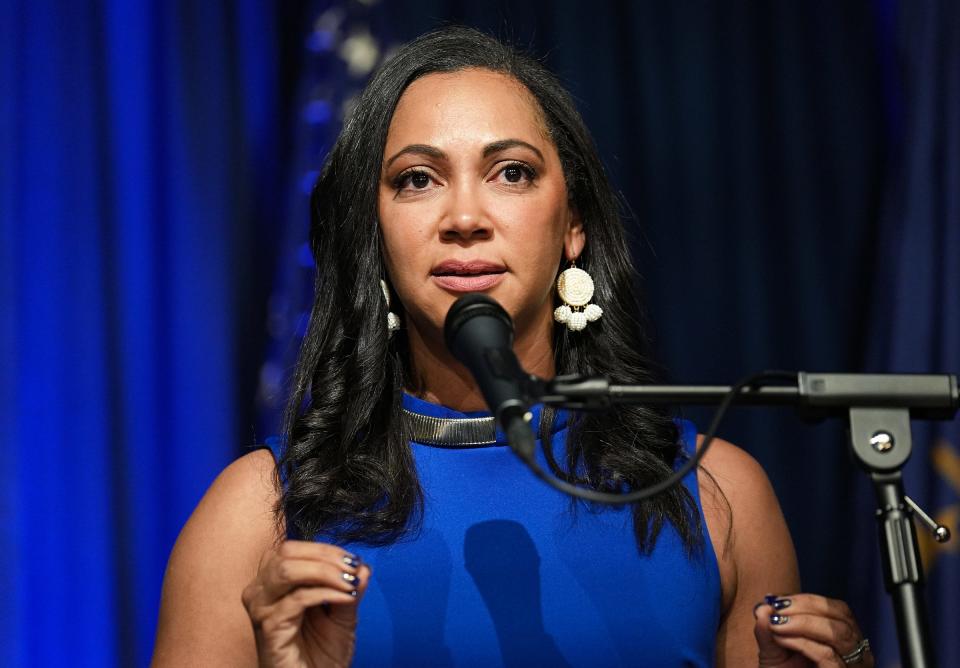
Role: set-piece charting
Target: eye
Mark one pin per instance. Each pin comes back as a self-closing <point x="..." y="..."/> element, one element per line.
<point x="419" y="180"/>
<point x="513" y="174"/>
<point x="411" y="180"/>
<point x="516" y="174"/>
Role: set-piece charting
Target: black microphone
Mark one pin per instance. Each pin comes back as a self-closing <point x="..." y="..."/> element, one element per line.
<point x="479" y="333"/>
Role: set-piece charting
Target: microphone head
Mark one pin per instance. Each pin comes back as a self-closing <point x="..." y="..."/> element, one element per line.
<point x="494" y="326"/>
<point x="479" y="334"/>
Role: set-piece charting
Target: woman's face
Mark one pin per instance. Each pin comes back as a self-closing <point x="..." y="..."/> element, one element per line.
<point x="472" y="199"/>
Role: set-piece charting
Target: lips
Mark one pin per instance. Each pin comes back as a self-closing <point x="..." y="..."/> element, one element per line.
<point x="469" y="276"/>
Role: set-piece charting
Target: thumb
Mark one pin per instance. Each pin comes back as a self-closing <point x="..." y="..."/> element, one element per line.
<point x="769" y="653"/>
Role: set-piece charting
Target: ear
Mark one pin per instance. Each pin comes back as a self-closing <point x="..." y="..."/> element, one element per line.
<point x="574" y="239"/>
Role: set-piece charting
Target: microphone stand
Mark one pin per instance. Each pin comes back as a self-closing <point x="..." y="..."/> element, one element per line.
<point x="879" y="408"/>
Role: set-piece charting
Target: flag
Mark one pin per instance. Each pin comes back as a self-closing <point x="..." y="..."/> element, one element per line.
<point x="915" y="322"/>
<point x="344" y="46"/>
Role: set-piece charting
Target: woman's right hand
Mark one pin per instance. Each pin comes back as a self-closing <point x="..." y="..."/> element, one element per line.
<point x="303" y="605"/>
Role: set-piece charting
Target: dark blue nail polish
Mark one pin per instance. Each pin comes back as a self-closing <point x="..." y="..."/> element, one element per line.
<point x="351" y="578"/>
<point x="351" y="560"/>
<point x="781" y="603"/>
<point x="779" y="620"/>
<point x="770" y="599"/>
<point x="353" y="593"/>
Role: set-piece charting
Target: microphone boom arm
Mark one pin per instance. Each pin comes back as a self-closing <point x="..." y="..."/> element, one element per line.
<point x="879" y="408"/>
<point x="479" y="334"/>
<point x="815" y="395"/>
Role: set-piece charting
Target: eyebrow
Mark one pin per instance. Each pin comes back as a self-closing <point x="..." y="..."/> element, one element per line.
<point x="488" y="150"/>
<point x="504" y="144"/>
<point x="418" y="149"/>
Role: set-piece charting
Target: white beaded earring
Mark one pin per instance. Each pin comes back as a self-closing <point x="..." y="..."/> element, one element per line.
<point x="393" y="320"/>
<point x="575" y="287"/>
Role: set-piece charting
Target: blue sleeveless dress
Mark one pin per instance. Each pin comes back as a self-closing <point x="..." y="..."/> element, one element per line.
<point x="506" y="573"/>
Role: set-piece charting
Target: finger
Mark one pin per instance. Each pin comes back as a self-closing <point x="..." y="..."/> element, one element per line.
<point x="284" y="574"/>
<point x="823" y="656"/>
<point x="293" y="605"/>
<point x="346" y="614"/>
<point x="819" y="605"/>
<point x="770" y="604"/>
<point x="302" y="549"/>
<point x="837" y="634"/>
<point x="280" y="622"/>
<point x="769" y="651"/>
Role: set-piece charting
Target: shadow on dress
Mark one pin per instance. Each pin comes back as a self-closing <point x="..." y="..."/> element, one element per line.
<point x="505" y="566"/>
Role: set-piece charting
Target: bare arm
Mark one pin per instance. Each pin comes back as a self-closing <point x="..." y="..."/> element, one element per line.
<point x="755" y="553"/>
<point x="766" y="621"/>
<point x="202" y="619"/>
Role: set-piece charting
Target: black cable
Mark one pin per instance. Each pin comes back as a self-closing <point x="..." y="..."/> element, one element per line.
<point x="679" y="474"/>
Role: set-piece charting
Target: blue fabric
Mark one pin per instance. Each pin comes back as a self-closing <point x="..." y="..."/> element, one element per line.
<point x="506" y="573"/>
<point x="128" y="134"/>
<point x="915" y="323"/>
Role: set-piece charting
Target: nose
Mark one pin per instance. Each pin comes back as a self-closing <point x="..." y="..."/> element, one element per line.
<point x="465" y="219"/>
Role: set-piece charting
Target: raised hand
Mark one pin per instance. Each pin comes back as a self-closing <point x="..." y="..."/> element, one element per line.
<point x="303" y="605"/>
<point x="806" y="629"/>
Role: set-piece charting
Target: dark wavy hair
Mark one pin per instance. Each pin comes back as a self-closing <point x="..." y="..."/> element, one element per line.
<point x="348" y="465"/>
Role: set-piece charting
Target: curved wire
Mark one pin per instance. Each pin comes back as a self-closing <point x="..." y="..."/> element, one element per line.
<point x="679" y="474"/>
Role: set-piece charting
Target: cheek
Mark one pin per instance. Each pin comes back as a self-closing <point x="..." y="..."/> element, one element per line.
<point x="397" y="254"/>
<point x="538" y="229"/>
<point x="404" y="255"/>
<point x="397" y="231"/>
<point x="405" y="245"/>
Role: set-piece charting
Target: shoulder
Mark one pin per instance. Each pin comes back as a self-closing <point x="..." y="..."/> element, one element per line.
<point x="734" y="475"/>
<point x="750" y="537"/>
<point x="249" y="484"/>
<point x="238" y="506"/>
<point x="202" y="620"/>
<point x="740" y="502"/>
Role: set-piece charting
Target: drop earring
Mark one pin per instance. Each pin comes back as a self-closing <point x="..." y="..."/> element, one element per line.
<point x="393" y="320"/>
<point x="575" y="287"/>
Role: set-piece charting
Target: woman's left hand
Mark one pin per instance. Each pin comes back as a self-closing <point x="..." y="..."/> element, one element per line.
<point x="800" y="629"/>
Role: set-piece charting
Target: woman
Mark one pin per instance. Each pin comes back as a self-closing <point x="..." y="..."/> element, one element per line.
<point x="466" y="168"/>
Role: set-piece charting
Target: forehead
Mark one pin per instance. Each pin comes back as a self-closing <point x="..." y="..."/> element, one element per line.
<point x="472" y="104"/>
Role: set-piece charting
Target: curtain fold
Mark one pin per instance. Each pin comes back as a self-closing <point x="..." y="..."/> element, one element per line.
<point x="916" y="307"/>
<point x="133" y="133"/>
<point x="144" y="208"/>
<point x="749" y="140"/>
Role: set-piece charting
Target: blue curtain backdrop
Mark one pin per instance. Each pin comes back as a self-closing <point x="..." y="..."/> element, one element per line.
<point x="916" y="306"/>
<point x="790" y="165"/>
<point x="750" y="142"/>
<point x="133" y="135"/>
